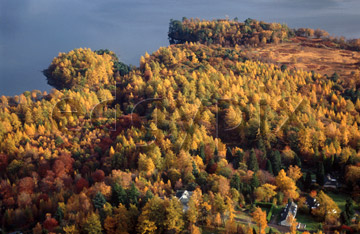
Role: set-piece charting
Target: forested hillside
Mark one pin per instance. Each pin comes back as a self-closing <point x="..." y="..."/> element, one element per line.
<point x="109" y="149"/>
<point x="250" y="32"/>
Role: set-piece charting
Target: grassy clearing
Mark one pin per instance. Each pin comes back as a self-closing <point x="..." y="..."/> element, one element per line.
<point x="339" y="199"/>
<point x="311" y="223"/>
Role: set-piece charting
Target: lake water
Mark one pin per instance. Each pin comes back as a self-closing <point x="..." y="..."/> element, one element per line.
<point x="33" y="32"/>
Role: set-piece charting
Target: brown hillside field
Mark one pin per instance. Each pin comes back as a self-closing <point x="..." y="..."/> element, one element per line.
<point x="310" y="55"/>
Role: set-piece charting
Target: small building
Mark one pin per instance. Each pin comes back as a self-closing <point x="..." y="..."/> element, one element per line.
<point x="184" y="198"/>
<point x="330" y="182"/>
<point x="312" y="203"/>
<point x="290" y="209"/>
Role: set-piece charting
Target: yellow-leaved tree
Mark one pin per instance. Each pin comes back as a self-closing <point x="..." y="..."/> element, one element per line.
<point x="259" y="217"/>
<point x="328" y="210"/>
<point x="286" y="185"/>
<point x="265" y="192"/>
<point x="294" y="172"/>
<point x="80" y="68"/>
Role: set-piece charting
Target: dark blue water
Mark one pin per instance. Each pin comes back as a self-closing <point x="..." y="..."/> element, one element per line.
<point x="33" y="32"/>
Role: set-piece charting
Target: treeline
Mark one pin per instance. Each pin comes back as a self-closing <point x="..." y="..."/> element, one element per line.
<point x="228" y="32"/>
<point x="250" y="32"/>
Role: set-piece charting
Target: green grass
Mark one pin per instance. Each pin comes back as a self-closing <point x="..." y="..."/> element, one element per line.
<point x="277" y="210"/>
<point x="339" y="199"/>
<point x="311" y="223"/>
<point x="242" y="215"/>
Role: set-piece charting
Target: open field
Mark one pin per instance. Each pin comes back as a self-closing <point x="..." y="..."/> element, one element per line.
<point x="310" y="56"/>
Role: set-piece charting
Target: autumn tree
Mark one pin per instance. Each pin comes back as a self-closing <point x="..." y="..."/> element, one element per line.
<point x="152" y="216"/>
<point x="265" y="192"/>
<point x="233" y="118"/>
<point x="80" y="68"/>
<point x="293" y="224"/>
<point x="217" y="220"/>
<point x="319" y="33"/>
<point x="294" y="172"/>
<point x="50" y="223"/>
<point x="98" y="176"/>
<point x="328" y="210"/>
<point x="174" y="216"/>
<point x="259" y="217"/>
<point x="92" y="224"/>
<point x="286" y="185"/>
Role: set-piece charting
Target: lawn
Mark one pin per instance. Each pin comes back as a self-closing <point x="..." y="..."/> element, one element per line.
<point x="277" y="210"/>
<point x="339" y="199"/>
<point x="311" y="223"/>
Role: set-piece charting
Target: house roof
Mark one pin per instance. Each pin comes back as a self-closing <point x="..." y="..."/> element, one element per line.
<point x="290" y="208"/>
<point x="311" y="202"/>
<point x="184" y="197"/>
<point x="330" y="181"/>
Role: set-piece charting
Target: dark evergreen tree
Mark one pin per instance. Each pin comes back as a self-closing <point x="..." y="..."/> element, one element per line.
<point x="276" y="162"/>
<point x="252" y="162"/>
<point x="262" y="147"/>
<point x="118" y="195"/>
<point x="59" y="214"/>
<point x="235" y="182"/>
<point x="229" y="155"/>
<point x="269" y="167"/>
<point x="99" y="201"/>
<point x="328" y="164"/>
<point x="238" y="157"/>
<point x="349" y="208"/>
<point x="254" y="181"/>
<point x="300" y="183"/>
<point x="201" y="180"/>
<point x="216" y="155"/>
<point x="202" y="152"/>
<point x="297" y="161"/>
<point x="320" y="174"/>
<point x="133" y="194"/>
<point x="344" y="218"/>
<point x="118" y="161"/>
<point x="308" y="181"/>
<point x="148" y="196"/>
<point x="195" y="170"/>
<point x="122" y="68"/>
